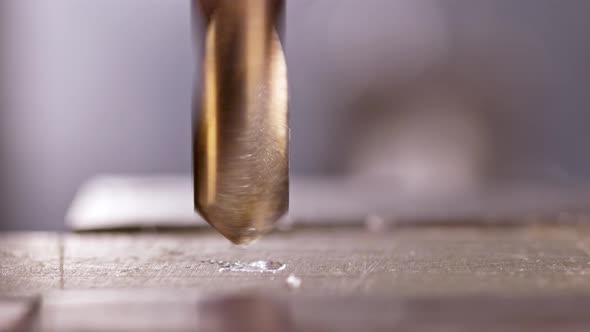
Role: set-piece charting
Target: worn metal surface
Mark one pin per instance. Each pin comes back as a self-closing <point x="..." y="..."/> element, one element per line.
<point x="181" y="310"/>
<point x="17" y="313"/>
<point x="429" y="278"/>
<point x="29" y="263"/>
<point x="349" y="260"/>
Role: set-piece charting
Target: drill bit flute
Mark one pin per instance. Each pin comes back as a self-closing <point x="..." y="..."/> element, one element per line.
<point x="240" y="130"/>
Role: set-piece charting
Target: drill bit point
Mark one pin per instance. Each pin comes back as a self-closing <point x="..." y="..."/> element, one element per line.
<point x="239" y="236"/>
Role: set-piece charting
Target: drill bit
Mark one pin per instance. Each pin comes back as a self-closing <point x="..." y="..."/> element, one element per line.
<point x="241" y="132"/>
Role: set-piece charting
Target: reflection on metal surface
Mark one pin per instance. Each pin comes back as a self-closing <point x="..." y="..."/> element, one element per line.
<point x="189" y="310"/>
<point x="261" y="266"/>
<point x="245" y="312"/>
<point x="16" y="313"/>
<point x="293" y="281"/>
<point x="241" y="135"/>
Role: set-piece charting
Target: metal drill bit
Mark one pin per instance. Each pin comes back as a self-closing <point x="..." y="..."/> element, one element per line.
<point x="241" y="133"/>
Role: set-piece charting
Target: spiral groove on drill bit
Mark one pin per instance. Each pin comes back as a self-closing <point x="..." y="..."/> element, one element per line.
<point x="241" y="147"/>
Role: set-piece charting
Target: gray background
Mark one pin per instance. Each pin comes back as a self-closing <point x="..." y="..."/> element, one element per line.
<point x="104" y="86"/>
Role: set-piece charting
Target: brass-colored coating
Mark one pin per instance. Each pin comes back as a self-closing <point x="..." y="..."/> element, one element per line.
<point x="241" y="139"/>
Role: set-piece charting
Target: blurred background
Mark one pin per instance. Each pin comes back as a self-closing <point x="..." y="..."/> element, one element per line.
<point x="437" y="96"/>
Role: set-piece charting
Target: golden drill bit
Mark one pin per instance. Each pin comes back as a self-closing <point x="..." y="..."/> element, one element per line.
<point x="241" y="133"/>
